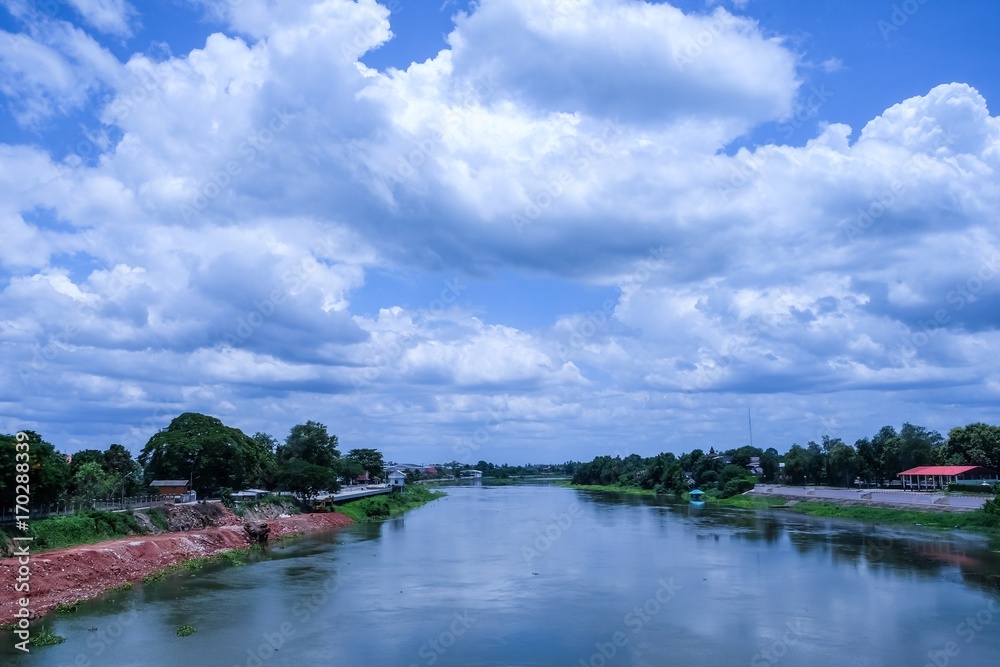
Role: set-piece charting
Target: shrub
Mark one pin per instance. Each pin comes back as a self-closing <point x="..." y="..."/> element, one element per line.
<point x="737" y="486"/>
<point x="158" y="519"/>
<point x="45" y="637"/>
<point x="992" y="507"/>
<point x="377" y="507"/>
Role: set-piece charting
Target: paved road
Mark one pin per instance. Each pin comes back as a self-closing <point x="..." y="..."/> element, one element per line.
<point x="875" y="496"/>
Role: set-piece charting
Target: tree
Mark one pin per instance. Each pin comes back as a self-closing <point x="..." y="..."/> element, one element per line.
<point x="868" y="460"/>
<point x="215" y="455"/>
<point x="916" y="446"/>
<point x="742" y="455"/>
<point x="350" y="468"/>
<point x="370" y="460"/>
<point x="269" y="468"/>
<point x="977" y="444"/>
<point x="91" y="482"/>
<point x="83" y="457"/>
<point x="887" y="447"/>
<point x="48" y="470"/>
<point x="118" y="462"/>
<point x="815" y="463"/>
<point x="306" y="479"/>
<point x="842" y="463"/>
<point x="796" y="464"/>
<point x="311" y="443"/>
<point x="769" y="461"/>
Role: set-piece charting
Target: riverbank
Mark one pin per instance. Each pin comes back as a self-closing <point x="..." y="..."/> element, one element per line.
<point x="66" y="576"/>
<point x="937" y="517"/>
<point x="377" y="508"/>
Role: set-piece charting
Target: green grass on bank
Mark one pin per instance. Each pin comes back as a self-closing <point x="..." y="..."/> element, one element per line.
<point x="376" y="508"/>
<point x="87" y="527"/>
<point x="749" y="502"/>
<point x="978" y="521"/>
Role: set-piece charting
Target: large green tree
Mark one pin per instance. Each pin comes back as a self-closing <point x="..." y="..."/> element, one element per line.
<point x="976" y="444"/>
<point x="306" y="479"/>
<point x="48" y="470"/>
<point x="269" y="473"/>
<point x="311" y="443"/>
<point x="916" y="446"/>
<point x="842" y="464"/>
<point x="91" y="482"/>
<point x="309" y="461"/>
<point x="215" y="455"/>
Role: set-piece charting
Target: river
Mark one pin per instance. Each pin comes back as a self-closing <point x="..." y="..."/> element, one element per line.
<point x="543" y="575"/>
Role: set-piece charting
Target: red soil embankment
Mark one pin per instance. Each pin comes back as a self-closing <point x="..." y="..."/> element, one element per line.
<point x="63" y="576"/>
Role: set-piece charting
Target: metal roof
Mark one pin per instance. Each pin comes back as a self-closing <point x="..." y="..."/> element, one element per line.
<point x="947" y="471"/>
<point x="169" y="482"/>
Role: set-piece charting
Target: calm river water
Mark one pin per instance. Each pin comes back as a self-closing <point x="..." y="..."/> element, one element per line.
<point x="543" y="575"/>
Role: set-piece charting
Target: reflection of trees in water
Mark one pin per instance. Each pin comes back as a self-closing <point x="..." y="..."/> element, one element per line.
<point x="883" y="552"/>
<point x="877" y="549"/>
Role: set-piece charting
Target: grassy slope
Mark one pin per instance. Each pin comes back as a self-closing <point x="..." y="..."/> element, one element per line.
<point x="376" y="508"/>
<point x="93" y="526"/>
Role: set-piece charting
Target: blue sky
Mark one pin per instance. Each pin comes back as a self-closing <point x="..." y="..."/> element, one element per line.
<point x="516" y="230"/>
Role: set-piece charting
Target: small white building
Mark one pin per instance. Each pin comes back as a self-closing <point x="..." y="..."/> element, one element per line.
<point x="396" y="480"/>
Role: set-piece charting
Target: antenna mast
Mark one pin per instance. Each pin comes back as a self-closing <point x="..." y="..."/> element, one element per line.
<point x="750" y="421"/>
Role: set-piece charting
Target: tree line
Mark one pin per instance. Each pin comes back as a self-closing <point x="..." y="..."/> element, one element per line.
<point x="215" y="458"/>
<point x="875" y="460"/>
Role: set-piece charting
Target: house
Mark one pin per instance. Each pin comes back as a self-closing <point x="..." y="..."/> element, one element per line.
<point x="472" y="474"/>
<point x="755" y="467"/>
<point x="396" y="480"/>
<point x="937" y="477"/>
<point x="170" y="487"/>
